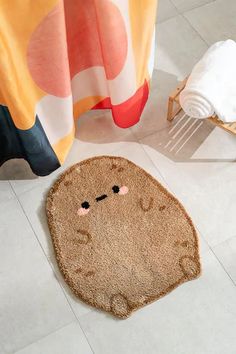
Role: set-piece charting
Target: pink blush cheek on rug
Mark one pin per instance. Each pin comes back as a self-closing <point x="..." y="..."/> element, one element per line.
<point x="123" y="190"/>
<point x="82" y="211"/>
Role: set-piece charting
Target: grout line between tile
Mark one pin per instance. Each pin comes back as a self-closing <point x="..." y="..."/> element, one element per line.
<point x="154" y="131"/>
<point x="194" y="29"/>
<point x="182" y="14"/>
<point x="175" y="7"/>
<point x="8" y="198"/>
<point x="221" y="242"/>
<point x="193" y="8"/>
<point x="211" y="248"/>
<point x="55" y="275"/>
<point x="22" y="192"/>
<point x="38" y="340"/>
<point x="225" y="241"/>
<point x="222" y="265"/>
<point x="150" y="159"/>
<point x="159" y="22"/>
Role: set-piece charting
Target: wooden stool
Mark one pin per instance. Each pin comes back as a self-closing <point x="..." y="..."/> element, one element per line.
<point x="174" y="108"/>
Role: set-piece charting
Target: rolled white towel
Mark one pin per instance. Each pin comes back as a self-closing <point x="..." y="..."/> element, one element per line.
<point x="211" y="87"/>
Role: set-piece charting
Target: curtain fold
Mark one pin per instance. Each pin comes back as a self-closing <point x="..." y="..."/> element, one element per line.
<point x="59" y="59"/>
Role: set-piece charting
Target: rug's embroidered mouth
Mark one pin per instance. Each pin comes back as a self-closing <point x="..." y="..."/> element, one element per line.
<point x="98" y="199"/>
<point x="121" y="239"/>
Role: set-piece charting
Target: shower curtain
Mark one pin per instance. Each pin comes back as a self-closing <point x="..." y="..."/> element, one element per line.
<point x="59" y="59"/>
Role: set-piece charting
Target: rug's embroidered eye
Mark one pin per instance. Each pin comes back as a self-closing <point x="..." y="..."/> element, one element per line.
<point x="84" y="209"/>
<point x="116" y="189"/>
<point x="85" y="205"/>
<point x="120" y="190"/>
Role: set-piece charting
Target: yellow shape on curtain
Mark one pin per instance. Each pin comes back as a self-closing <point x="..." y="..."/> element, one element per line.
<point x="19" y="92"/>
<point x="141" y="13"/>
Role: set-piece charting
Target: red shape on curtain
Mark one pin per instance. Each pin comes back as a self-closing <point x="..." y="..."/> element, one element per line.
<point x="128" y="112"/>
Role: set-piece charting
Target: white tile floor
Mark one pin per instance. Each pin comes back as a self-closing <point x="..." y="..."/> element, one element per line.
<point x="194" y="160"/>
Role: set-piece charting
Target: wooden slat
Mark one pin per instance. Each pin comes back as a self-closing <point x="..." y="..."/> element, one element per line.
<point x="233" y="126"/>
<point x="174" y="108"/>
<point x="179" y="88"/>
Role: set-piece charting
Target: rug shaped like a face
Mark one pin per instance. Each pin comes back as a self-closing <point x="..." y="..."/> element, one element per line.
<point x="121" y="240"/>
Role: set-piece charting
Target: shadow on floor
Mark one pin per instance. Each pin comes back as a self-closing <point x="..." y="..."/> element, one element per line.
<point x="16" y="169"/>
<point x="178" y="140"/>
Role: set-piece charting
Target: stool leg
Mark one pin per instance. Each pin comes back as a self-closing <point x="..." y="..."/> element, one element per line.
<point x="170" y="115"/>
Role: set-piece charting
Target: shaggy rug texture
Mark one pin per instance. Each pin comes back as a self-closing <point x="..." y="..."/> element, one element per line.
<point x="121" y="239"/>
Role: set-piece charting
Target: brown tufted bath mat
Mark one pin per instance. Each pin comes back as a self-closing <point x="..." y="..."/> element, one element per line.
<point x="121" y="240"/>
